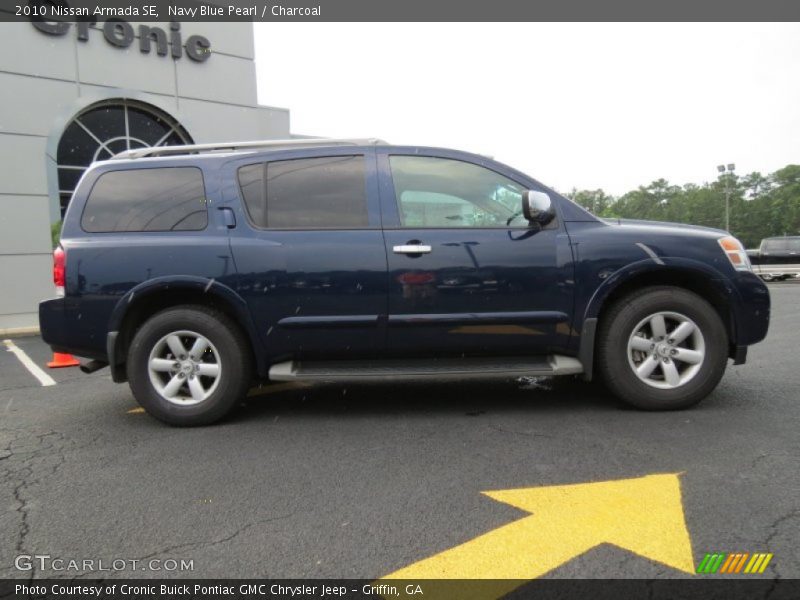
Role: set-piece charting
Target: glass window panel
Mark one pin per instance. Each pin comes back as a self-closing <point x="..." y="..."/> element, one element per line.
<point x="161" y="199"/>
<point x="422" y="208"/>
<point x="117" y="146"/>
<point x="776" y="245"/>
<point x="309" y="193"/>
<point x="63" y="200"/>
<point x="174" y="139"/>
<point x="68" y="179"/>
<point x="251" y="182"/>
<point x="105" y="122"/>
<point x="76" y="147"/>
<point x="146" y="127"/>
<point x="439" y="192"/>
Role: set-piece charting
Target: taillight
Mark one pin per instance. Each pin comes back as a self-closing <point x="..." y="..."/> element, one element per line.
<point x="59" y="269"/>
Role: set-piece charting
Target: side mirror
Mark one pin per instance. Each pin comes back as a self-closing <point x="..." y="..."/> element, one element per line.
<point x="537" y="207"/>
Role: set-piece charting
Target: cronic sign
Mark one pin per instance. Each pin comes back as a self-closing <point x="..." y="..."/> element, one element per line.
<point x="121" y="34"/>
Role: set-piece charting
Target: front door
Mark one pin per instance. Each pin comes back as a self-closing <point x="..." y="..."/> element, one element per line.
<point x="467" y="273"/>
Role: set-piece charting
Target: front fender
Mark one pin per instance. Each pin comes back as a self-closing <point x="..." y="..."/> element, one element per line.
<point x="665" y="265"/>
<point x="652" y="267"/>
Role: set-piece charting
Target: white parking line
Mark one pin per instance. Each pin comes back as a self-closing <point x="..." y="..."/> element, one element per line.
<point x="26" y="361"/>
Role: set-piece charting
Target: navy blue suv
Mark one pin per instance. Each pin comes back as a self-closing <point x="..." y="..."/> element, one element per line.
<point x="194" y="271"/>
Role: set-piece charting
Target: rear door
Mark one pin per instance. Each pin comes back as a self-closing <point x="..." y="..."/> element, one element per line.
<point x="309" y="251"/>
<point x="467" y="274"/>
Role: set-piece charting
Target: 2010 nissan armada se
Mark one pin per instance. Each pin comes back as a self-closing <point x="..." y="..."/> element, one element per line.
<point x="192" y="271"/>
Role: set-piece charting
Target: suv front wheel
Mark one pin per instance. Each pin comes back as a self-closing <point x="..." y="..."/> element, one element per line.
<point x="189" y="365"/>
<point x="662" y="348"/>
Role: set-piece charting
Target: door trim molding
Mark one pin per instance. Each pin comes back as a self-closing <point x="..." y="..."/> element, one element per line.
<point x="329" y="321"/>
<point x="533" y="317"/>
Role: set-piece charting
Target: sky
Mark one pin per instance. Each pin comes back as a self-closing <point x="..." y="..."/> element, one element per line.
<point x="611" y="106"/>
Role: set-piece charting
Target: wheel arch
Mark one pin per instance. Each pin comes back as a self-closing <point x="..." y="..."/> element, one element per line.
<point x="697" y="277"/>
<point x="155" y="295"/>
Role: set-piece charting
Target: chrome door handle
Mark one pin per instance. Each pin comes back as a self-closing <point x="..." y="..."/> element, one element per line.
<point x="411" y="249"/>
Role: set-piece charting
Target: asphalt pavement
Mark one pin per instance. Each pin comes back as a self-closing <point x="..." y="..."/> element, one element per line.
<point x="362" y="481"/>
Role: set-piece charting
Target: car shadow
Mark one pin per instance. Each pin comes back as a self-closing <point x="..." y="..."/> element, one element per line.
<point x="470" y="398"/>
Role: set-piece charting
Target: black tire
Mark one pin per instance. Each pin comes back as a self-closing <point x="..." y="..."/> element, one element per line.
<point x="618" y="324"/>
<point x="229" y="343"/>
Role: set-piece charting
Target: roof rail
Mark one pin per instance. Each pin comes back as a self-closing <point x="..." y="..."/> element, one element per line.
<point x="233" y="146"/>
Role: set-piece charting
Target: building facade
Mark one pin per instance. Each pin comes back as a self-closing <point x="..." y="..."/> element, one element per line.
<point x="74" y="93"/>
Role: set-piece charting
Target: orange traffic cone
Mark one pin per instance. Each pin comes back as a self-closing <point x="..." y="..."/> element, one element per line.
<point x="61" y="359"/>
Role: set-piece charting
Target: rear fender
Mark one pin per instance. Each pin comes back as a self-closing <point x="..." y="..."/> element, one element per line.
<point x="207" y="291"/>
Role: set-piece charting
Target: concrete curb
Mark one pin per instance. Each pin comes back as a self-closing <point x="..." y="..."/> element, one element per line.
<point x="19" y="332"/>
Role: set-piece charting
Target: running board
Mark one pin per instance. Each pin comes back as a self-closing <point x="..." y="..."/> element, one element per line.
<point x="411" y="369"/>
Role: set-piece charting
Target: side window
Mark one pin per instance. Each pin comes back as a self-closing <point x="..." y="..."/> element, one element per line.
<point x="162" y="199"/>
<point x="440" y="192"/>
<point x="776" y="246"/>
<point x="306" y="193"/>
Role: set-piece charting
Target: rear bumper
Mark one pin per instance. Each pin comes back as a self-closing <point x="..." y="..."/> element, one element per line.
<point x="60" y="329"/>
<point x="52" y="325"/>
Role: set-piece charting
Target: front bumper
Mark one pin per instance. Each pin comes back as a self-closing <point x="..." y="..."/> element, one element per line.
<point x="752" y="311"/>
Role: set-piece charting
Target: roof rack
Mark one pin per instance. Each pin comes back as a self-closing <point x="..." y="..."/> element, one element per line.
<point x="233" y="146"/>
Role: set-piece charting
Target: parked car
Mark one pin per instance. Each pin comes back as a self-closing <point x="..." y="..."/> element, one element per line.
<point x="194" y="271"/>
<point x="777" y="258"/>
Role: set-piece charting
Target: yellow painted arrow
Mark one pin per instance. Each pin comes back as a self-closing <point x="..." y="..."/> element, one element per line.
<point x="643" y="515"/>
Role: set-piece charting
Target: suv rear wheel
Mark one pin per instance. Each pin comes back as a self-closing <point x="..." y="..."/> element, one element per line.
<point x="662" y="348"/>
<point x="188" y="365"/>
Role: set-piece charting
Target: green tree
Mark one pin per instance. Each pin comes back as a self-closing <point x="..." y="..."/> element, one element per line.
<point x="55" y="233"/>
<point x="760" y="206"/>
<point x="784" y="214"/>
<point x="595" y="201"/>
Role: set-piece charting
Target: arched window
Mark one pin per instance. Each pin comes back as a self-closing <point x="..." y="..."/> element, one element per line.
<point x="107" y="128"/>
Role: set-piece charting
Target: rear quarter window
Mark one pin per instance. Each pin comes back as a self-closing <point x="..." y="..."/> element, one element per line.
<point x="160" y="199"/>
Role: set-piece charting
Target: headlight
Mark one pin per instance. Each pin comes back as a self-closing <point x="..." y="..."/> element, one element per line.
<point x="735" y="252"/>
